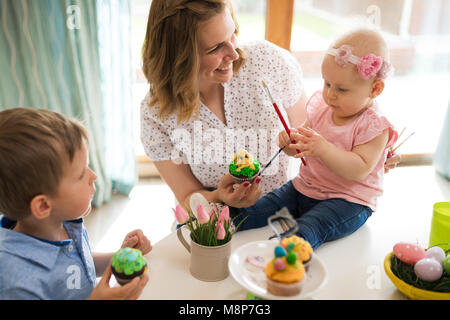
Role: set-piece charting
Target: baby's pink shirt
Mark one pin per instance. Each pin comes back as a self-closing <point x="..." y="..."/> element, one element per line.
<point x="317" y="181"/>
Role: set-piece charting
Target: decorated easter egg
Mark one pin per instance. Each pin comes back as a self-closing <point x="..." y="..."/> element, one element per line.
<point x="279" y="264"/>
<point x="290" y="247"/>
<point x="291" y="258"/>
<point x="447" y="264"/>
<point x="279" y="252"/>
<point x="408" y="252"/>
<point x="436" y="253"/>
<point x="428" y="269"/>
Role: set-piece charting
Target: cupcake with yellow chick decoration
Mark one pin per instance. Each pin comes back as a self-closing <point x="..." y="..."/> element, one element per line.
<point x="285" y="273"/>
<point x="300" y="246"/>
<point x="243" y="167"/>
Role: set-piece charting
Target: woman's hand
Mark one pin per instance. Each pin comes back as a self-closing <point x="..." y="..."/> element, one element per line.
<point x="244" y="196"/>
<point x="183" y="184"/>
<point x="131" y="291"/>
<point x="137" y="240"/>
<point x="392" y="162"/>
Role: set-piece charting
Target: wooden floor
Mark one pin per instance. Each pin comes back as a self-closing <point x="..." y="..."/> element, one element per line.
<point x="148" y="208"/>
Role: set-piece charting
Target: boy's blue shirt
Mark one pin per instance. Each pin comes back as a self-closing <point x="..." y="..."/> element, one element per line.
<point x="33" y="268"/>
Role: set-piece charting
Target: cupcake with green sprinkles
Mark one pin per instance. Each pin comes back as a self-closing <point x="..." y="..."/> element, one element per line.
<point x="128" y="263"/>
<point x="243" y="167"/>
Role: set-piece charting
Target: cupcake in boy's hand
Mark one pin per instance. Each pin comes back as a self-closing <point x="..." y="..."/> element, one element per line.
<point x="128" y="263"/>
<point x="300" y="246"/>
<point x="243" y="167"/>
<point x="285" y="273"/>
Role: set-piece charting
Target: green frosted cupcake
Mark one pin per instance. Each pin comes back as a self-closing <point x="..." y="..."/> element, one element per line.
<point x="243" y="167"/>
<point x="128" y="263"/>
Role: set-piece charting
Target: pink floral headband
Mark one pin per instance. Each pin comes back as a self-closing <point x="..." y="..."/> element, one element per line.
<point x="368" y="66"/>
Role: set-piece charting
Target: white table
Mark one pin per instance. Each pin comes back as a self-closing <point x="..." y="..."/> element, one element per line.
<point x="364" y="278"/>
<point x="355" y="264"/>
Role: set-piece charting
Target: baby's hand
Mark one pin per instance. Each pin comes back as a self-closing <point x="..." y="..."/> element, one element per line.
<point x="392" y="162"/>
<point x="285" y="140"/>
<point x="129" y="291"/>
<point x="137" y="240"/>
<point x="310" y="143"/>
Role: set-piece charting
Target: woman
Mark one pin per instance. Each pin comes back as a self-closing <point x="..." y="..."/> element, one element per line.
<point x="206" y="101"/>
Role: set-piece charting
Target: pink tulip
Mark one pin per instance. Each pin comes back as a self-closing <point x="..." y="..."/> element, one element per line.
<point x="221" y="234"/>
<point x="224" y="214"/>
<point x="202" y="216"/>
<point x="181" y="214"/>
<point x="212" y="213"/>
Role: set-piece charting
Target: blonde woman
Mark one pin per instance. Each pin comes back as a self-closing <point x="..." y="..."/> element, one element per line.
<point x="206" y="101"/>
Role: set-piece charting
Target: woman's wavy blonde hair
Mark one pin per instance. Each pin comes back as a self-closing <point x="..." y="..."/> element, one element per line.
<point x="170" y="55"/>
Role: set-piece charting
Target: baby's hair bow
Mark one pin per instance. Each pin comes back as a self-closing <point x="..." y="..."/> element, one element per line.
<point x="369" y="65"/>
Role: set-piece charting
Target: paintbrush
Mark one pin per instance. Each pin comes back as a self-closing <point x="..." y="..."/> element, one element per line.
<point x="266" y="88"/>
<point x="270" y="162"/>
<point x="398" y="146"/>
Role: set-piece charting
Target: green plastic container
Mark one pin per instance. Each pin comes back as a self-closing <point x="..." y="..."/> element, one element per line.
<point x="440" y="226"/>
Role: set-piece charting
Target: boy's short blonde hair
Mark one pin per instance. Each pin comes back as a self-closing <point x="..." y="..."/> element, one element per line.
<point x="35" y="147"/>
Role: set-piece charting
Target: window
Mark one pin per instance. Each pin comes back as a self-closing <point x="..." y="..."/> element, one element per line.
<point x="418" y="35"/>
<point x="417" y="32"/>
<point x="251" y="16"/>
<point x="139" y="9"/>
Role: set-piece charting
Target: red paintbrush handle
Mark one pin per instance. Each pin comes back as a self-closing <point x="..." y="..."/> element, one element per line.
<point x="281" y="118"/>
<point x="286" y="127"/>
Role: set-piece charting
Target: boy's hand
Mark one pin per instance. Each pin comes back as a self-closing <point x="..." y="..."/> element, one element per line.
<point x="137" y="240"/>
<point x="310" y="143"/>
<point x="131" y="291"/>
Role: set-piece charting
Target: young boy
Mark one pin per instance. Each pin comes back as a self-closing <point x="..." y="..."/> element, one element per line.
<point x="46" y="188"/>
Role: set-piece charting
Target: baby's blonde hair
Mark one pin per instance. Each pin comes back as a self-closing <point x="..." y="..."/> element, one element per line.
<point x="364" y="41"/>
<point x="367" y="52"/>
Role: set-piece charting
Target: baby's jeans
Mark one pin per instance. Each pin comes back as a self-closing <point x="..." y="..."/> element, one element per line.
<point x="318" y="221"/>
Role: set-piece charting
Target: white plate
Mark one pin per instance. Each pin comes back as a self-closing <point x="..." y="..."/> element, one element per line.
<point x="254" y="279"/>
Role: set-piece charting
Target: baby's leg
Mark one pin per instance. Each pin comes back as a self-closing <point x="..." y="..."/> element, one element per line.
<point x="257" y="215"/>
<point x="331" y="219"/>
